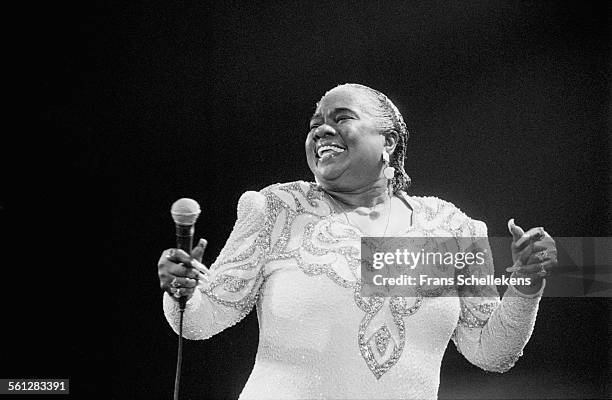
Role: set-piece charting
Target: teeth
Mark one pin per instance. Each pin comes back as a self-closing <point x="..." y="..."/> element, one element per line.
<point x="324" y="149"/>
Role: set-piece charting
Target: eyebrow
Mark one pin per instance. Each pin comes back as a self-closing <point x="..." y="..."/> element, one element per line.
<point x="335" y="111"/>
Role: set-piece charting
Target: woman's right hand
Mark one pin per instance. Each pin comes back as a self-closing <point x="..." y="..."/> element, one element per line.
<point x="179" y="273"/>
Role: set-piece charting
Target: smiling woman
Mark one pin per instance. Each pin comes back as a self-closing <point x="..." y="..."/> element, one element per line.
<point x="362" y="114"/>
<point x="295" y="252"/>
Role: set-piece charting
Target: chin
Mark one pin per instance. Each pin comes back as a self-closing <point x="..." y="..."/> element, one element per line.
<point x="332" y="183"/>
<point x="328" y="174"/>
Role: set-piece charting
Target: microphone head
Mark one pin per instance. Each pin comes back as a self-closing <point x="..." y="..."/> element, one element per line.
<point x="185" y="211"/>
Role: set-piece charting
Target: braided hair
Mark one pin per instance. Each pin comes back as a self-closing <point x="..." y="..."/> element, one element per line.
<point x="390" y="120"/>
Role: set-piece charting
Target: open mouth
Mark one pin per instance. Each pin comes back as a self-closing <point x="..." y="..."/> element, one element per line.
<point x="327" y="151"/>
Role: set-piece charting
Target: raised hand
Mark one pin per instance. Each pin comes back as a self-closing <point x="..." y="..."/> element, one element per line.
<point x="533" y="252"/>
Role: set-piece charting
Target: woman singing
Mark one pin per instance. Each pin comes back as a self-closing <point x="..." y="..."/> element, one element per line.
<point x="294" y="251"/>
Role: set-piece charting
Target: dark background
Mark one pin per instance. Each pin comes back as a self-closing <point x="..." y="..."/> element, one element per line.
<point x="119" y="109"/>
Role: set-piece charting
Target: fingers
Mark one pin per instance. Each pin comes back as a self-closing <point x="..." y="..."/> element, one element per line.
<point x="181" y="270"/>
<point x="201" y="268"/>
<point x="181" y="292"/>
<point x="530" y="250"/>
<point x="543" y="255"/>
<point x="178" y="286"/>
<point x="198" y="251"/>
<point x="178" y="282"/>
<point x="535" y="253"/>
<point x="541" y="268"/>
<point x="175" y="277"/>
<point x="175" y="271"/>
<point x="178" y="256"/>
<point x="515" y="230"/>
<point x="532" y="235"/>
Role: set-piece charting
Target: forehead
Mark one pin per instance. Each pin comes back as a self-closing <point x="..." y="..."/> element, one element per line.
<point x="346" y="97"/>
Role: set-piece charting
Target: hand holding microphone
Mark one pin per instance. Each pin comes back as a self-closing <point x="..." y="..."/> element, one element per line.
<point x="179" y="273"/>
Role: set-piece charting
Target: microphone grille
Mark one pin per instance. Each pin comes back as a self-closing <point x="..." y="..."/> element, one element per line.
<point x="185" y="211"/>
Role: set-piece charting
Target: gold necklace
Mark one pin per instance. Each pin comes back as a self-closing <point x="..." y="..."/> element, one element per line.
<point x="371" y="209"/>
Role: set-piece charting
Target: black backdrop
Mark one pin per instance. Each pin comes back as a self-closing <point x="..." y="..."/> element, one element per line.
<point x="123" y="108"/>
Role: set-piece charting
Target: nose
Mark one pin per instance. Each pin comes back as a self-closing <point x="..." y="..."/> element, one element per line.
<point x="323" y="131"/>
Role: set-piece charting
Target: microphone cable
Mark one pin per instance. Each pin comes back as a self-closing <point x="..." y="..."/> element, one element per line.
<point x="179" y="356"/>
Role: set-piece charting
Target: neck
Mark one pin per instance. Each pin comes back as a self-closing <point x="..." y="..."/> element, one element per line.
<point x="367" y="196"/>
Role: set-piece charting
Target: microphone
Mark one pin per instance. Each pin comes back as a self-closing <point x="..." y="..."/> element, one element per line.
<point x="185" y="212"/>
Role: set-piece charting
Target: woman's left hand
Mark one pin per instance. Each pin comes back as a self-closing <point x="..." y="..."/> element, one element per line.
<point x="534" y="252"/>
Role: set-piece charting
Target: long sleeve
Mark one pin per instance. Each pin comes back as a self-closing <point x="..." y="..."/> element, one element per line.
<point x="235" y="279"/>
<point x="490" y="333"/>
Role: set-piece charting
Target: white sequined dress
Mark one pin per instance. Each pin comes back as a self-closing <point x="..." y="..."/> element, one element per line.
<point x="298" y="261"/>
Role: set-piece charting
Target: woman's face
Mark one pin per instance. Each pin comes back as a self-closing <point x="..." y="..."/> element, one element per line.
<point x="344" y="145"/>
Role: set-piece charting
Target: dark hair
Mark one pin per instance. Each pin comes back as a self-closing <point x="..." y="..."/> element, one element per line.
<point x="391" y="120"/>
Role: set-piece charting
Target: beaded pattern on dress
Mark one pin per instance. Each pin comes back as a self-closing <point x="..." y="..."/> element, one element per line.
<point x="326" y="235"/>
<point x="233" y="259"/>
<point x="285" y="203"/>
<point x="294" y="222"/>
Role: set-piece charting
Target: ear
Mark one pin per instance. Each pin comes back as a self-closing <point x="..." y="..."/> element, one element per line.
<point x="391" y="138"/>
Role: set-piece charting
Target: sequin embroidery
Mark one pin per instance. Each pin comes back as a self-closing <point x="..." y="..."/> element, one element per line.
<point x="325" y="236"/>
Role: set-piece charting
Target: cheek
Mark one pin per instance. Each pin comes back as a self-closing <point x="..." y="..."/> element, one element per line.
<point x="308" y="140"/>
<point x="308" y="146"/>
<point x="366" y="152"/>
<point x="309" y="152"/>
